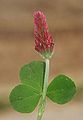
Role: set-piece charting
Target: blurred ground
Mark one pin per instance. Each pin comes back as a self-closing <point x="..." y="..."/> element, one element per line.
<point x="65" y="19"/>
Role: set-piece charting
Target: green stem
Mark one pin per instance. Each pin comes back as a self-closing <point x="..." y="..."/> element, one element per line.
<point x="44" y="91"/>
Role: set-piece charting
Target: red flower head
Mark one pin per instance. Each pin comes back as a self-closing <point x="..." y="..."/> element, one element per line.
<point x="43" y="40"/>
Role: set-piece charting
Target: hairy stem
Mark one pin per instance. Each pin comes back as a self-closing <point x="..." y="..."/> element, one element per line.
<point x="44" y="91"/>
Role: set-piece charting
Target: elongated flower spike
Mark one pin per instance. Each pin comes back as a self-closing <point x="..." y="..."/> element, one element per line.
<point x="43" y="40"/>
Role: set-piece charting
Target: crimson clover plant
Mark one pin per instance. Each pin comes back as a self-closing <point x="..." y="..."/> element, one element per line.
<point x="34" y="87"/>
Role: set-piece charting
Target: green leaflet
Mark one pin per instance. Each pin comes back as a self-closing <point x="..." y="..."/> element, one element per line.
<point x="24" y="98"/>
<point x="61" y="89"/>
<point x="33" y="74"/>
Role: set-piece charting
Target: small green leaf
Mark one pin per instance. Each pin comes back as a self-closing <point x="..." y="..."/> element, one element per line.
<point x="61" y="89"/>
<point x="24" y="99"/>
<point x="33" y="74"/>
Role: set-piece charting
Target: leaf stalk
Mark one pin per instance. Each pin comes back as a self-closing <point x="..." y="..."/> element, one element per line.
<point x="42" y="103"/>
